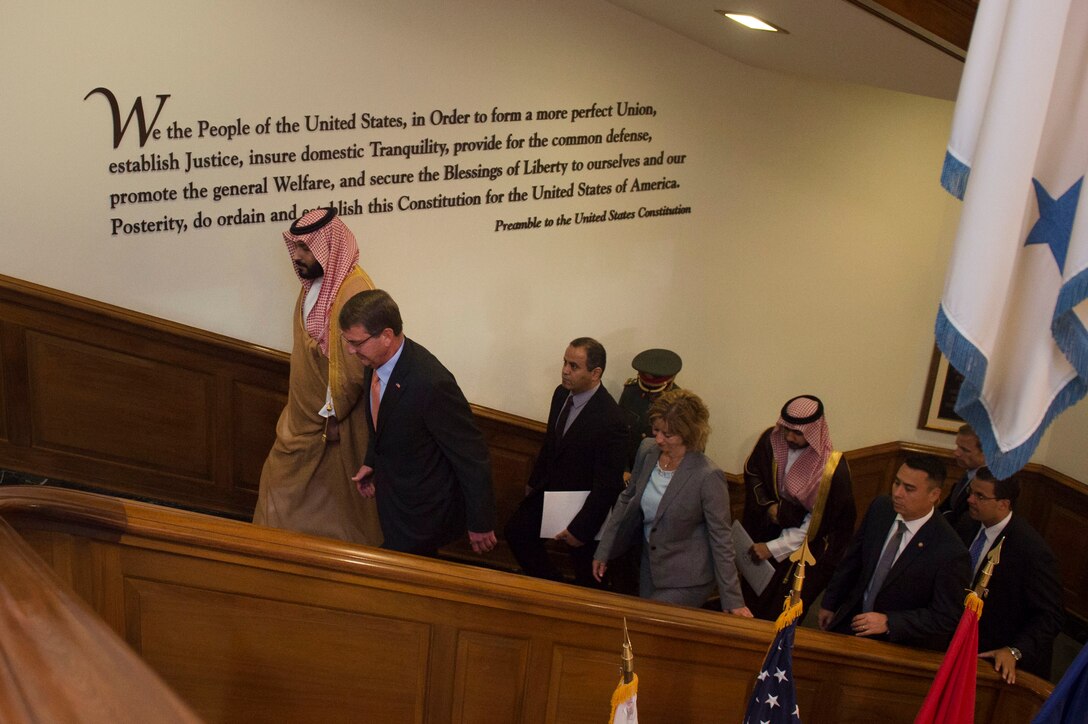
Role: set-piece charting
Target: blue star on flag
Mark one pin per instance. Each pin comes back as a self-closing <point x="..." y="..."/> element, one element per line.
<point x="1055" y="224"/>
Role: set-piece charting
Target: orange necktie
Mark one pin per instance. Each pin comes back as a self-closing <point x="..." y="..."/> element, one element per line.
<point x="375" y="397"/>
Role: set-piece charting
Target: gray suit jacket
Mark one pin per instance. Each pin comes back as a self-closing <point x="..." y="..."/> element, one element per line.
<point x="691" y="541"/>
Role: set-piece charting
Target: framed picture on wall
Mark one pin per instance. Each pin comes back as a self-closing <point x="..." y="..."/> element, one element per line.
<point x="939" y="401"/>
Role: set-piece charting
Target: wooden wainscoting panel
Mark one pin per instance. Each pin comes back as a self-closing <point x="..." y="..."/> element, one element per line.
<point x="254" y="624"/>
<point x="1007" y="708"/>
<point x="513" y="443"/>
<point x="104" y="397"/>
<point x="986" y="703"/>
<point x="90" y="401"/>
<point x="1064" y="531"/>
<point x="808" y="693"/>
<point x="254" y="412"/>
<point x="671" y="690"/>
<point x="91" y="568"/>
<point x="870" y="703"/>
<point x="578" y="672"/>
<point x="246" y="658"/>
<point x="509" y="473"/>
<point x="13" y="384"/>
<point x="490" y="678"/>
<point x="1057" y="506"/>
<point x="5" y="404"/>
<point x="872" y="470"/>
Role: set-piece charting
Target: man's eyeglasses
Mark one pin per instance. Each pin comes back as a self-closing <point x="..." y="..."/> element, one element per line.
<point x="358" y="345"/>
<point x="980" y="496"/>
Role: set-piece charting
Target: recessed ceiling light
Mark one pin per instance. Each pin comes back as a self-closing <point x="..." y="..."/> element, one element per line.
<point x="751" y="21"/>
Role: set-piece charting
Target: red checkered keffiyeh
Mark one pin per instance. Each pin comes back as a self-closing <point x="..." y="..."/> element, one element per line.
<point x="334" y="247"/>
<point x="804" y="414"/>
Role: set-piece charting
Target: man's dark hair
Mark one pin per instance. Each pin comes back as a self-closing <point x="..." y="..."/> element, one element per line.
<point x="968" y="431"/>
<point x="595" y="354"/>
<point x="931" y="465"/>
<point x="374" y="310"/>
<point x="1007" y="489"/>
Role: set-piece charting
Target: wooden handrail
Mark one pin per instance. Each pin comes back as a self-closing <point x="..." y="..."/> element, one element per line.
<point x="559" y="641"/>
<point x="60" y="662"/>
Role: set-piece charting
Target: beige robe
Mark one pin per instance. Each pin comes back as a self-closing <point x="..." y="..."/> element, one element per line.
<point x="306" y="483"/>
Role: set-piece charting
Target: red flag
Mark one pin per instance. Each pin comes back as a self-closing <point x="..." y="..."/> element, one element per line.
<point x="951" y="698"/>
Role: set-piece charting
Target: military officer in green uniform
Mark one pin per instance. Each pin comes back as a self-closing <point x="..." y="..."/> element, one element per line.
<point x="657" y="370"/>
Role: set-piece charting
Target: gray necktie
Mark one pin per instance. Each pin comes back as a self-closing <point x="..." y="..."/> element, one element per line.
<point x="564" y="414"/>
<point x="887" y="558"/>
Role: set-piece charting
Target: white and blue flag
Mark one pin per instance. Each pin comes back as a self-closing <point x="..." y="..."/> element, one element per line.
<point x="1013" y="315"/>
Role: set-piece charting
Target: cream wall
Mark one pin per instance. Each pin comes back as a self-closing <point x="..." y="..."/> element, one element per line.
<point x="812" y="262"/>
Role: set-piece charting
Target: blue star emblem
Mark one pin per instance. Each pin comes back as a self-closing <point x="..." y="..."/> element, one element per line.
<point x="1055" y="224"/>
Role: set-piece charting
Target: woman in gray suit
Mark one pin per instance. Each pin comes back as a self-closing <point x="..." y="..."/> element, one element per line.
<point x="678" y="502"/>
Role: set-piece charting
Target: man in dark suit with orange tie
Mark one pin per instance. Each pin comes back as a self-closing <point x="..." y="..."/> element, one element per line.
<point x="426" y="463"/>
<point x="904" y="575"/>
<point x="584" y="449"/>
<point x="1023" y="610"/>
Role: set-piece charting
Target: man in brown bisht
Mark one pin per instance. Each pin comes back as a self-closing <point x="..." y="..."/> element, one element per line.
<point x="322" y="433"/>
<point x="796" y="485"/>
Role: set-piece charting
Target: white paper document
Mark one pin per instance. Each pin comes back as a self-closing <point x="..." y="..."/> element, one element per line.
<point x="759" y="574"/>
<point x="560" y="507"/>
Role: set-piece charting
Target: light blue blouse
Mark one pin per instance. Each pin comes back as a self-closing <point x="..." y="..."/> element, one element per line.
<point x="651" y="497"/>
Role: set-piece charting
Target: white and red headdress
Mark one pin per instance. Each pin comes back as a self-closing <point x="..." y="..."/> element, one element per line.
<point x="334" y="247"/>
<point x="805" y="414"/>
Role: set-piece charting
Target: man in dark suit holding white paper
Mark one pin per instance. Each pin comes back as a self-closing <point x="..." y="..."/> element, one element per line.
<point x="584" y="450"/>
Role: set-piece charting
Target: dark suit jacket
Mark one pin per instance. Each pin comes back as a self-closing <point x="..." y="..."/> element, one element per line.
<point x="431" y="471"/>
<point x="1024" y="606"/>
<point x="924" y="590"/>
<point x="691" y="541"/>
<point x="591" y="456"/>
<point x="956" y="513"/>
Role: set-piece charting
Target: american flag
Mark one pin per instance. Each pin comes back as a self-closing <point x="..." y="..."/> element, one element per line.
<point x="774" y="699"/>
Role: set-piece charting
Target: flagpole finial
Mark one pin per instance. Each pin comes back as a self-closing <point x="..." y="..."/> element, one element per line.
<point x="792" y="607"/>
<point x="802" y="557"/>
<point x="628" y="665"/>
<point x="992" y="559"/>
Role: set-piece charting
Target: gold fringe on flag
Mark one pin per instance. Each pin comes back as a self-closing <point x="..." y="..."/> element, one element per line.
<point x="623" y="692"/>
<point x="790" y="613"/>
<point x="973" y="603"/>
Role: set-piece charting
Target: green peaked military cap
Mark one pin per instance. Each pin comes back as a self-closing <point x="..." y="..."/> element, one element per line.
<point x="657" y="362"/>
